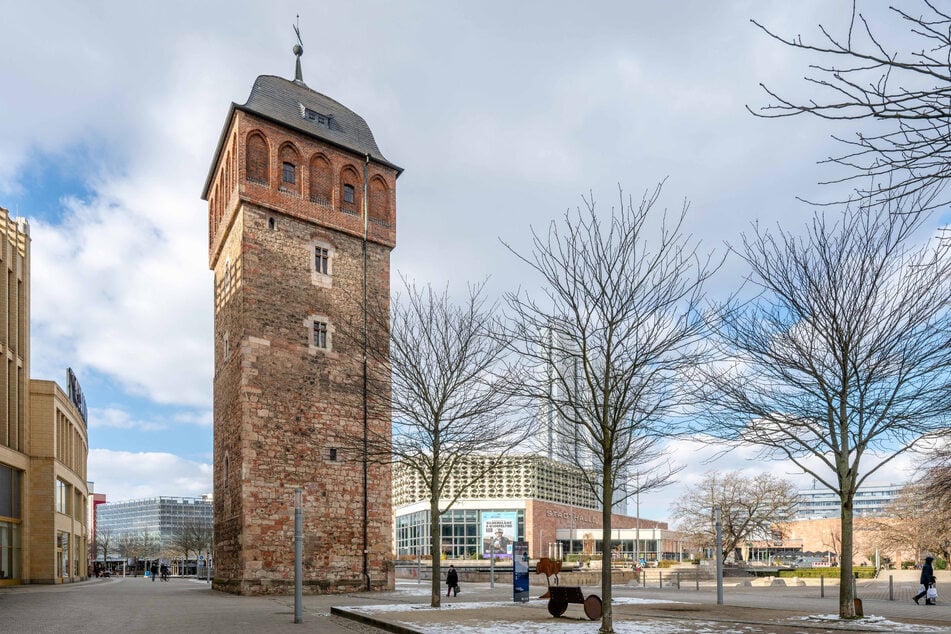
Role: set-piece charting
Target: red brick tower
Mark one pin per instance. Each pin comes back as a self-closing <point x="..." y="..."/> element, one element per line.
<point x="300" y="200"/>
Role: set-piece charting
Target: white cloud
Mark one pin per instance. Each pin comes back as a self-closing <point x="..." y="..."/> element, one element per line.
<point x="120" y="419"/>
<point x="700" y="455"/>
<point x="501" y="118"/>
<point x="125" y="475"/>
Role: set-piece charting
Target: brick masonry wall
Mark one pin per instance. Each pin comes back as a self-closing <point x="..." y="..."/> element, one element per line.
<point x="281" y="405"/>
<point x="542" y="519"/>
<point x="224" y="201"/>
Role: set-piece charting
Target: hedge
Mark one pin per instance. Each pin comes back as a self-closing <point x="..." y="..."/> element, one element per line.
<point x="864" y="572"/>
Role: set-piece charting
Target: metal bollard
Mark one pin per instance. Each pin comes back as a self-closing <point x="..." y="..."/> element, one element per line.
<point x="643" y="577"/>
<point x="678" y="580"/>
<point x="698" y="579"/>
<point x="660" y="579"/>
<point x="822" y="587"/>
<point x="891" y="588"/>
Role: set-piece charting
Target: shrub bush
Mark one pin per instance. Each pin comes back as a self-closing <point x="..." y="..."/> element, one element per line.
<point x="864" y="572"/>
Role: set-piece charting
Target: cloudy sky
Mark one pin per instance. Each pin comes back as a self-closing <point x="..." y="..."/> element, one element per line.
<point x="503" y="115"/>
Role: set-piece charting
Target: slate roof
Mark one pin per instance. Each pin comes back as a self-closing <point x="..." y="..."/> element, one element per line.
<point x="283" y="101"/>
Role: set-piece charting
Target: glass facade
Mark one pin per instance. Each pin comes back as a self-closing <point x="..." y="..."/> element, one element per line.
<point x="62" y="497"/>
<point x="870" y="500"/>
<point x="10" y="519"/>
<point x="160" y="517"/>
<point x="62" y="553"/>
<point x="9" y="550"/>
<point x="461" y="532"/>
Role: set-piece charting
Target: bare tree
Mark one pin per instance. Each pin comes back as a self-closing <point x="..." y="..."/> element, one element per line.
<point x="750" y="508"/>
<point x="451" y="398"/>
<point x="842" y="362"/>
<point x="911" y="524"/>
<point x="923" y="525"/>
<point x="104" y="542"/>
<point x="193" y="537"/>
<point x="905" y="96"/>
<point x="136" y="546"/>
<point x="604" y="348"/>
<point x="937" y="472"/>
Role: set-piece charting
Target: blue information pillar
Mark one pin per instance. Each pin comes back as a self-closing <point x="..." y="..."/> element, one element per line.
<point x="520" y="572"/>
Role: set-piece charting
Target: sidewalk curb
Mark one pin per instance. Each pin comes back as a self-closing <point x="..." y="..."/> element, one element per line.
<point x="369" y="620"/>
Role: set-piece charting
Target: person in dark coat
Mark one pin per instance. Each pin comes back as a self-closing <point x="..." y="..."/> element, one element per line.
<point x="452" y="581"/>
<point x="927" y="578"/>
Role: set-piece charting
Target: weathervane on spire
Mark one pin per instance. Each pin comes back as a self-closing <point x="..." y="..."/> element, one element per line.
<point x="298" y="51"/>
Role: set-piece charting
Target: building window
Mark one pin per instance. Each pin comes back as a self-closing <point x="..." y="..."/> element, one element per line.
<point x="288" y="173"/>
<point x="348" y="196"/>
<point x="321" y="256"/>
<point x="321" y="119"/>
<point x="62" y="497"/>
<point x="320" y="334"/>
<point x="321" y="259"/>
<point x="333" y="454"/>
<point x="10" y="492"/>
<point x="271" y="223"/>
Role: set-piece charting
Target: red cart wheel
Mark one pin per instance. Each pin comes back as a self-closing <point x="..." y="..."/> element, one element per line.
<point x="592" y="607"/>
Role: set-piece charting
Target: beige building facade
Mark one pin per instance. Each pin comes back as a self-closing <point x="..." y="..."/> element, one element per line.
<point x="43" y="442"/>
<point x="825" y="535"/>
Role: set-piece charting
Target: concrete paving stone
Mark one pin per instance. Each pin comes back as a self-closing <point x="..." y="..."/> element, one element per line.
<point x="187" y="605"/>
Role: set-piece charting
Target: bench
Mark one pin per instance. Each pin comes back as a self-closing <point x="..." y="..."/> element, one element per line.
<point x="561" y="596"/>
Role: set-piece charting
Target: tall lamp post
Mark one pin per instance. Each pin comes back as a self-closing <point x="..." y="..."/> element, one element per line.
<point x="637" y="518"/>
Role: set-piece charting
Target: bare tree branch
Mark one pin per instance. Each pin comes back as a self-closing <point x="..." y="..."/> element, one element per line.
<point x="606" y="346"/>
<point x="843" y="361"/>
<point x="450" y="395"/>
<point x="906" y="95"/>
<point x="750" y="507"/>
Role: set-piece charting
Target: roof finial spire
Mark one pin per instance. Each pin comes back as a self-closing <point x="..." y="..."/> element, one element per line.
<point x="298" y="51"/>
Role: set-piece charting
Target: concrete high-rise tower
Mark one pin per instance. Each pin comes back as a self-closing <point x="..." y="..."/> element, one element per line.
<point x="301" y="222"/>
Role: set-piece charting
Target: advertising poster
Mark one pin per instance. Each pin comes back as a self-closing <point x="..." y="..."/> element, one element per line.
<point x="498" y="533"/>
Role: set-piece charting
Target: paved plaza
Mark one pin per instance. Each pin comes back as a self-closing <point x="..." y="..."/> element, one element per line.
<point x="187" y="605"/>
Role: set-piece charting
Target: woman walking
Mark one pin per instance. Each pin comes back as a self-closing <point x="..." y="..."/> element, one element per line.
<point x="452" y="581"/>
<point x="927" y="580"/>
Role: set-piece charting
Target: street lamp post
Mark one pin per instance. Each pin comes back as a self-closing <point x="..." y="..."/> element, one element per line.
<point x="637" y="518"/>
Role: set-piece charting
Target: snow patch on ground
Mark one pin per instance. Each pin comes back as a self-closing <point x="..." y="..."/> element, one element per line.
<point x="407" y="607"/>
<point x="622" y="627"/>
<point x="481" y="605"/>
<point x="869" y="623"/>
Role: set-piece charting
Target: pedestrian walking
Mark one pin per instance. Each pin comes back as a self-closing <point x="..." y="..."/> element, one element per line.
<point x="452" y="582"/>
<point x="927" y="581"/>
<point x="154" y="570"/>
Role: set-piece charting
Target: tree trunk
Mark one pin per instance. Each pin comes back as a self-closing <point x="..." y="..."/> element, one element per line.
<point x="607" y="496"/>
<point x="435" y="542"/>
<point x="846" y="595"/>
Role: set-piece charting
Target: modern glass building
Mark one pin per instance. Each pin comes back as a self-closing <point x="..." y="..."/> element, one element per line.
<point x="161" y="518"/>
<point x="533" y="498"/>
<point x="869" y="500"/>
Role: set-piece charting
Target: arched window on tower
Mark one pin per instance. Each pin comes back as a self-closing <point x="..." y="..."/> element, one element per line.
<point x="321" y="181"/>
<point x="379" y="202"/>
<point x="256" y="156"/>
<point x="290" y="159"/>
<point x="350" y="186"/>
